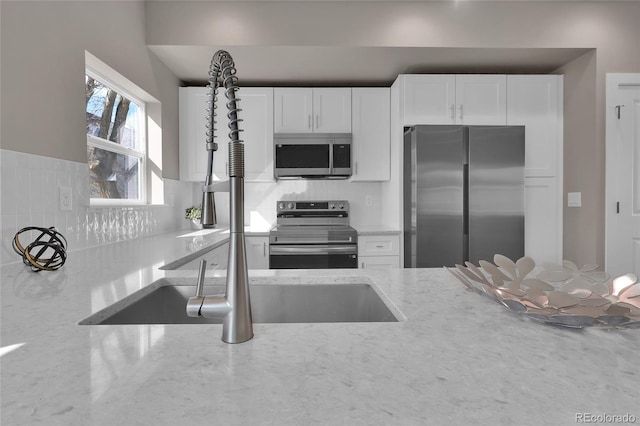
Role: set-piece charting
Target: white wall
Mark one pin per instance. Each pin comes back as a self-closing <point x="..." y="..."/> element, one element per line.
<point x="261" y="198"/>
<point x="30" y="198"/>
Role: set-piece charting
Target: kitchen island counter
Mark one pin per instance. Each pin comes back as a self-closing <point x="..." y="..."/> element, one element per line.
<point x="454" y="358"/>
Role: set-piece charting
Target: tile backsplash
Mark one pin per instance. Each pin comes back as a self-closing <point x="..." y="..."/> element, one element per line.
<point x="30" y="197"/>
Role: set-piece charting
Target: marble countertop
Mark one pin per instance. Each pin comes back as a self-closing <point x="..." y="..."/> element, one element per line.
<point x="377" y="230"/>
<point x="455" y="358"/>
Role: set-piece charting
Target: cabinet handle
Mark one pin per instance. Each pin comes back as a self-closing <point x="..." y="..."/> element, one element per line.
<point x="379" y="246"/>
<point x="362" y="265"/>
<point x="309" y="121"/>
<point x="453" y="112"/>
<point x="226" y="168"/>
<point x="460" y="112"/>
<point x="356" y="169"/>
<point x="264" y="249"/>
<point x="317" y="121"/>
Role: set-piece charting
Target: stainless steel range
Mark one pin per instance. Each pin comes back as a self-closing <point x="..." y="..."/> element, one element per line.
<point x="313" y="235"/>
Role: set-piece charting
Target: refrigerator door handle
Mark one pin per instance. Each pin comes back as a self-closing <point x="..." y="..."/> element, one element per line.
<point x="461" y="113"/>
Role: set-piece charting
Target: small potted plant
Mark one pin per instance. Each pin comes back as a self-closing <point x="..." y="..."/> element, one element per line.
<point x="193" y="214"/>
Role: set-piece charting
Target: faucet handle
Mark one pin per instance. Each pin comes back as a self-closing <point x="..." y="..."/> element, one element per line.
<point x="194" y="304"/>
<point x="200" y="282"/>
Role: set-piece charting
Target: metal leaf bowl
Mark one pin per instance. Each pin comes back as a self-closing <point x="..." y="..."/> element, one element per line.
<point x="564" y="295"/>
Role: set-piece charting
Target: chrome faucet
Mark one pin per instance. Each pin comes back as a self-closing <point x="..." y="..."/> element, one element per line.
<point x="235" y="305"/>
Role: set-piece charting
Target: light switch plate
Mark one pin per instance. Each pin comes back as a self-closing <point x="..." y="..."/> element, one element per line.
<point x="574" y="199"/>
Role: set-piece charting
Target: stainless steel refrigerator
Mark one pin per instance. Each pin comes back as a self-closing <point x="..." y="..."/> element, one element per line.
<point x="463" y="194"/>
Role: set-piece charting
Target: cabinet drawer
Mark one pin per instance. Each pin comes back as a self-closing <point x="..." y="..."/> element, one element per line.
<point x="378" y="245"/>
<point x="378" y="262"/>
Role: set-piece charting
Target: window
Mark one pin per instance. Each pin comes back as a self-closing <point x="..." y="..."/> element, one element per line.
<point x="116" y="145"/>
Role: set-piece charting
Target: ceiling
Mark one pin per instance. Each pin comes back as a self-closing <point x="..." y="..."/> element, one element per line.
<point x="357" y="66"/>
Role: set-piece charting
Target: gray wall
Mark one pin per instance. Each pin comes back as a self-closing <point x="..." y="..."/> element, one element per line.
<point x="42" y="79"/>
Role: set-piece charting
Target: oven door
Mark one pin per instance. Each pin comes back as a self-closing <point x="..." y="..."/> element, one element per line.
<point x="313" y="256"/>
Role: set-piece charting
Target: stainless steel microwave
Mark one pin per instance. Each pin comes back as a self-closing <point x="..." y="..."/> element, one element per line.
<point x="312" y="155"/>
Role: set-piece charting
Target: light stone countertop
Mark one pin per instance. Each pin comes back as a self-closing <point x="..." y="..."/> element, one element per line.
<point x="455" y="358"/>
<point x="377" y="230"/>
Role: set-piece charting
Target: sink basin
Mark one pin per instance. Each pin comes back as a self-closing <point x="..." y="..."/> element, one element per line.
<point x="270" y="303"/>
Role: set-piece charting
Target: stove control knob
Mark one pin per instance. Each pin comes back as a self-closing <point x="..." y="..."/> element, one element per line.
<point x="332" y="206"/>
<point x="290" y="206"/>
<point x="281" y="206"/>
<point x="341" y="206"/>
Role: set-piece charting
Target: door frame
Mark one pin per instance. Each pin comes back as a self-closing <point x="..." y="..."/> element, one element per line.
<point x="613" y="83"/>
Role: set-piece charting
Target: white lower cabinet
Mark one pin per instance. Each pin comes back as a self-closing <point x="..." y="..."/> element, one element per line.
<point x="257" y="251"/>
<point x="542" y="226"/>
<point x="378" y="262"/>
<point x="378" y="251"/>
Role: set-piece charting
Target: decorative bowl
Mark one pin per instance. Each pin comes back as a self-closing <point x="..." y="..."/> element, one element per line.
<point x="559" y="295"/>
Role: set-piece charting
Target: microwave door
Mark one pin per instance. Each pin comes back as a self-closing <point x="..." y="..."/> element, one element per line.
<point x="302" y="159"/>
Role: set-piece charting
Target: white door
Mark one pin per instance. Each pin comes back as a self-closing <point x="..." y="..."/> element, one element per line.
<point x="332" y="110"/>
<point x="428" y="99"/>
<point x="481" y="99"/>
<point x="293" y="110"/>
<point x="257" y="125"/>
<point x="371" y="134"/>
<point x="622" y="209"/>
<point x="535" y="101"/>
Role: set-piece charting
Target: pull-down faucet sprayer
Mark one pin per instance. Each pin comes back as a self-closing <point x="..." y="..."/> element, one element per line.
<point x="234" y="306"/>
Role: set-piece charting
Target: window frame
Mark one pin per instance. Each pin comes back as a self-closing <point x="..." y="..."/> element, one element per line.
<point x="104" y="144"/>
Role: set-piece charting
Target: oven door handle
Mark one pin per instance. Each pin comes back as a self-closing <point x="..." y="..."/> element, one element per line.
<point x="313" y="250"/>
<point x="308" y="240"/>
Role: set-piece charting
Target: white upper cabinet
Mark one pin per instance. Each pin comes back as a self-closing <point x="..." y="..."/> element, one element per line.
<point x="429" y="99"/>
<point x="454" y="99"/>
<point x="256" y="104"/>
<point x="535" y="101"/>
<point x="481" y="99"/>
<point x="312" y="110"/>
<point x="257" y="125"/>
<point x="371" y="134"/>
<point x="332" y="110"/>
<point x="293" y="110"/>
<point x="192" y="131"/>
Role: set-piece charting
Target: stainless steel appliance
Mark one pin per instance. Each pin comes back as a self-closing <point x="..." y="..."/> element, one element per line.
<point x="312" y="155"/>
<point x="463" y="194"/>
<point x="313" y="235"/>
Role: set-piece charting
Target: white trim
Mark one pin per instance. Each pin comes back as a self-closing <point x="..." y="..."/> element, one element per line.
<point x="141" y="136"/>
<point x="113" y="147"/>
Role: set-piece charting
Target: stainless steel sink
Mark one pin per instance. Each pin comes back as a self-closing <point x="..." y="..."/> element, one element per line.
<point x="270" y="303"/>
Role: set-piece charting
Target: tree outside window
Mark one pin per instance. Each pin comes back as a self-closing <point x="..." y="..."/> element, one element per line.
<point x="115" y="141"/>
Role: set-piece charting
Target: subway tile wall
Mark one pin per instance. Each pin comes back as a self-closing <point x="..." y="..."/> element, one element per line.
<point x="29" y="186"/>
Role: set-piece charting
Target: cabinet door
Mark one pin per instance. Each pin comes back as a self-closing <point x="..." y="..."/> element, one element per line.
<point x="371" y="134"/>
<point x="429" y="99"/>
<point x="542" y="220"/>
<point x="535" y="101"/>
<point x="293" y="110"/>
<point x="257" y="252"/>
<point x="332" y="110"/>
<point x="481" y="99"/>
<point x="193" y="103"/>
<point x="257" y="125"/>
